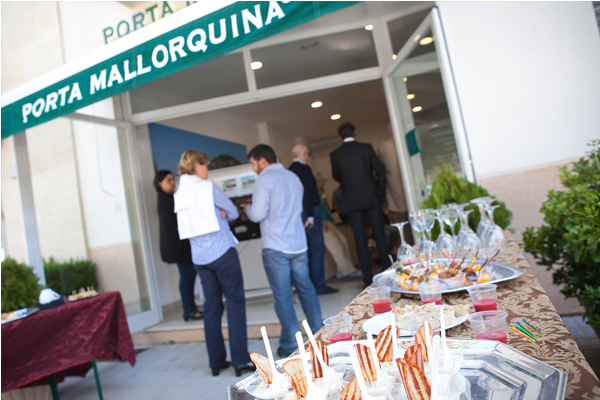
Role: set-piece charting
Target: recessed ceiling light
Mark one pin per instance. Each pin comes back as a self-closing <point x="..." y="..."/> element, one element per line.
<point x="426" y="40"/>
<point x="417" y="37"/>
<point x="369" y="27"/>
<point x="394" y="56"/>
<point x="316" y="104"/>
<point x="336" y="116"/>
<point x="417" y="108"/>
<point x="410" y="96"/>
<point x="256" y="65"/>
<point x="405" y="79"/>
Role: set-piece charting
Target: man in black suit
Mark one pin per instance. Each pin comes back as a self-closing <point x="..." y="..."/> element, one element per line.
<point x="311" y="215"/>
<point x="362" y="178"/>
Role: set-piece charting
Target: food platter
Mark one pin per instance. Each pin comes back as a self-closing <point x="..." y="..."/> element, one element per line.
<point x="501" y="272"/>
<point x="491" y="370"/>
<point x="379" y="322"/>
<point x="19" y="314"/>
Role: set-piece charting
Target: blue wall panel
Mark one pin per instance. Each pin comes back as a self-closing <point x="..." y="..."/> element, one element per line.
<point x="169" y="143"/>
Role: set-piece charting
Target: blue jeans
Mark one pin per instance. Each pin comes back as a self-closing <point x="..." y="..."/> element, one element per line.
<point x="224" y="276"/>
<point x="316" y="252"/>
<point x="187" y="280"/>
<point x="283" y="270"/>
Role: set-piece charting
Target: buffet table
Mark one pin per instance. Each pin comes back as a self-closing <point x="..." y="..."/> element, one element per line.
<point x="523" y="297"/>
<point x="64" y="341"/>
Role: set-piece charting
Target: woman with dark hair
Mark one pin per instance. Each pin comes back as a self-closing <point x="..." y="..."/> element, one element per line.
<point x="173" y="250"/>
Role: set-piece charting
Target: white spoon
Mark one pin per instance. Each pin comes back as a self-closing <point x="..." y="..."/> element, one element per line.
<point x="314" y="392"/>
<point x="361" y="382"/>
<point x="327" y="370"/>
<point x="278" y="377"/>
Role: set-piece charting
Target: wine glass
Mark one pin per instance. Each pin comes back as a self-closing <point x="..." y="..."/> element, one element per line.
<point x="450" y="217"/>
<point x="494" y="235"/>
<point x="406" y="254"/>
<point x="467" y="239"/>
<point x="481" y="203"/>
<point x="427" y="218"/>
<point x="415" y="223"/>
<point x="444" y="244"/>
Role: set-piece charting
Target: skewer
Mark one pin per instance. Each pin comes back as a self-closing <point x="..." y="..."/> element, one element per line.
<point x="462" y="261"/>
<point x="490" y="259"/>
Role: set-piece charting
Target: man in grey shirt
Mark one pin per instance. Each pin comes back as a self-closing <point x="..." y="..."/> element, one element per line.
<point x="277" y="206"/>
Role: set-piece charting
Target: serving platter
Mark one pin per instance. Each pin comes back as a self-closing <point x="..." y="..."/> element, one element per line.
<point x="502" y="272"/>
<point x="380" y="322"/>
<point x="493" y="371"/>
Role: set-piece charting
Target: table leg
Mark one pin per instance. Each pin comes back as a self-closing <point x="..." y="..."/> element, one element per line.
<point x="53" y="387"/>
<point x="97" y="379"/>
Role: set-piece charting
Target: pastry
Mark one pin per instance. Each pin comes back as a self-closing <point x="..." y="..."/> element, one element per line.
<point x="461" y="310"/>
<point x="401" y="314"/>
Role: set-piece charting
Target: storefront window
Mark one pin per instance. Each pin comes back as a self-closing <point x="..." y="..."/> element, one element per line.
<point x="218" y="77"/>
<point x="314" y="57"/>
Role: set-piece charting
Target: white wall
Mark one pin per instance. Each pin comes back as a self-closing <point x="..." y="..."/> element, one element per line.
<point x="527" y="79"/>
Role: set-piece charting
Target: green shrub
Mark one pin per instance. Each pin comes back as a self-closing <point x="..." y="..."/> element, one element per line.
<point x="20" y="288"/>
<point x="71" y="275"/>
<point x="590" y="299"/>
<point x="449" y="188"/>
<point x="568" y="243"/>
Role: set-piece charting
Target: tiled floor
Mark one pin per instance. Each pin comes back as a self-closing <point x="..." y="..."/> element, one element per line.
<point x="587" y="340"/>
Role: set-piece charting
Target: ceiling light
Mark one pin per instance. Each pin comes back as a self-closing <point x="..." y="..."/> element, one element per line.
<point x="410" y="96"/>
<point x="256" y="65"/>
<point x="417" y="108"/>
<point x="417" y="37"/>
<point x="336" y="116"/>
<point x="316" y="104"/>
<point x="394" y="56"/>
<point x="369" y="27"/>
<point x="426" y="40"/>
<point x="405" y="79"/>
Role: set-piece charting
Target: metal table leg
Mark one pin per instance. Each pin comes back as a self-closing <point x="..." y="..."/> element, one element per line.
<point x="97" y="380"/>
<point x="53" y="387"/>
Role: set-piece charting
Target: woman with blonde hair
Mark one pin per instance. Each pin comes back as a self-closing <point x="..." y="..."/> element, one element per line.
<point x="203" y="212"/>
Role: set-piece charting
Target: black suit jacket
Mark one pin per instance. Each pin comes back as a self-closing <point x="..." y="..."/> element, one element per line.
<point x="172" y="249"/>
<point x="311" y="194"/>
<point x="356" y="166"/>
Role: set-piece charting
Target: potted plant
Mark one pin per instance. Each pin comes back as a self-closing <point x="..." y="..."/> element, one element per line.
<point x="568" y="243"/>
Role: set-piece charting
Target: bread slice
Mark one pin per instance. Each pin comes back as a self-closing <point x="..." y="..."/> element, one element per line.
<point x="263" y="366"/>
<point x="383" y="344"/>
<point x="415" y="354"/>
<point x="366" y="361"/>
<point x="351" y="391"/>
<point x="297" y="377"/>
<point x="415" y="382"/>
<point x="317" y="368"/>
<point x="420" y="339"/>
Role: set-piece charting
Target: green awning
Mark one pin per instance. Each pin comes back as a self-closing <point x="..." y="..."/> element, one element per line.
<point x="170" y="45"/>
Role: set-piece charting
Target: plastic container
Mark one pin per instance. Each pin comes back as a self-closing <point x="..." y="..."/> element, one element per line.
<point x="415" y="322"/>
<point x="431" y="292"/>
<point x="339" y="328"/>
<point x="380" y="299"/>
<point x="489" y="325"/>
<point x="483" y="297"/>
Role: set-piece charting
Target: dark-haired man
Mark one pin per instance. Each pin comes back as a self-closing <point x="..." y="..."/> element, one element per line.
<point x="362" y="178"/>
<point x="277" y="206"/>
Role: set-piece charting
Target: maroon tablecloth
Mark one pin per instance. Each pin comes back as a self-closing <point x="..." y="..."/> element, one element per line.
<point x="65" y="340"/>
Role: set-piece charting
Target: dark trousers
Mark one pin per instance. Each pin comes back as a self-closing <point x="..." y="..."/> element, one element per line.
<point x="358" y="223"/>
<point x="316" y="252"/>
<point x="187" y="280"/>
<point x="224" y="276"/>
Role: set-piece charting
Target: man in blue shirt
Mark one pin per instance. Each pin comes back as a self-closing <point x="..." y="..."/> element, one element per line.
<point x="277" y="206"/>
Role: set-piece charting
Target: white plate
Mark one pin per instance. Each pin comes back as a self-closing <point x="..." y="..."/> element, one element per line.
<point x="382" y="321"/>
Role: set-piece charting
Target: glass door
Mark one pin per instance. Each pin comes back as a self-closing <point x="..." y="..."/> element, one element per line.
<point x="113" y="208"/>
<point x="420" y="111"/>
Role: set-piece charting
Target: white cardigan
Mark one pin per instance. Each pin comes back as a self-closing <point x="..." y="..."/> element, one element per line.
<point x="195" y="207"/>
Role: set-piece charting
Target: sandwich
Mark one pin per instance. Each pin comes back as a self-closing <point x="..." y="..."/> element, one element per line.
<point x="317" y="369"/>
<point x="263" y="366"/>
<point x="420" y="339"/>
<point x="384" y="343"/>
<point x="415" y="354"/>
<point x="367" y="364"/>
<point x="415" y="382"/>
<point x="351" y="391"/>
<point x="297" y="378"/>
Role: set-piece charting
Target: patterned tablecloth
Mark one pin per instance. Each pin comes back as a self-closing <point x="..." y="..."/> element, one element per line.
<point x="523" y="297"/>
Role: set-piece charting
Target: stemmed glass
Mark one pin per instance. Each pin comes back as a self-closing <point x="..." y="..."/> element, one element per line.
<point x="427" y="218"/>
<point x="484" y="222"/>
<point x="444" y="243"/>
<point x="450" y="217"/>
<point x="406" y="254"/>
<point x="494" y="235"/>
<point x="415" y="224"/>
<point x="467" y="239"/>
<point x="426" y="247"/>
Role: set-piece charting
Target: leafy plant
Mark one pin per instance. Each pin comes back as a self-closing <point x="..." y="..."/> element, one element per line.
<point x="590" y="299"/>
<point x="449" y="188"/>
<point x="20" y="288"/>
<point x="71" y="275"/>
<point x="569" y="241"/>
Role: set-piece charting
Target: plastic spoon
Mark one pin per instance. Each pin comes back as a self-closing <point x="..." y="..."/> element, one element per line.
<point x="443" y="334"/>
<point x="313" y="392"/>
<point x="434" y="365"/>
<point x="371" y="344"/>
<point x="278" y="377"/>
<point x="327" y="370"/>
<point x="394" y="337"/>
<point x="361" y="382"/>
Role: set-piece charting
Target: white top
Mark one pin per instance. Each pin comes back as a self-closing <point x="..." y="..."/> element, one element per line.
<point x="195" y="207"/>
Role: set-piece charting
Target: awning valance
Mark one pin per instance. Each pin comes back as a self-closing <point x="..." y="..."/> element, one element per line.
<point x="189" y="37"/>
